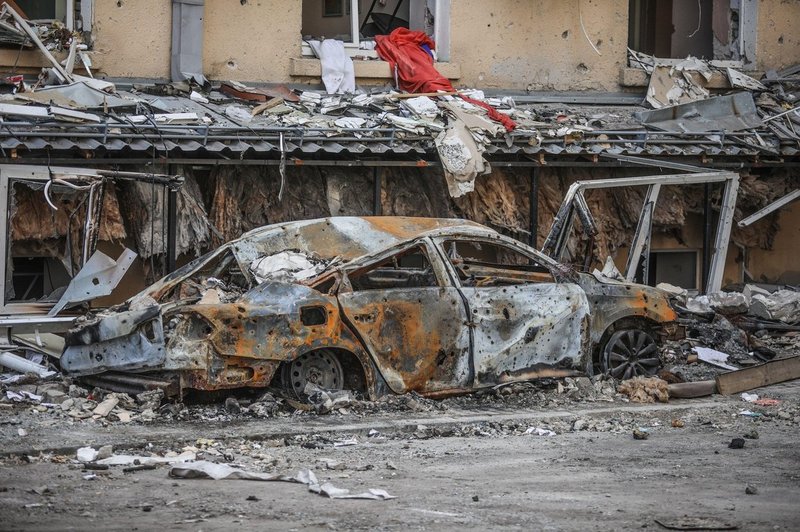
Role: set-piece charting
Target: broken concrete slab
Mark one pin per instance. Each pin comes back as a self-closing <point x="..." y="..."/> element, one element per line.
<point x="729" y="113"/>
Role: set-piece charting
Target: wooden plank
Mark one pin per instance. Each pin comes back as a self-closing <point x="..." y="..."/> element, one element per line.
<point x="772" y="372"/>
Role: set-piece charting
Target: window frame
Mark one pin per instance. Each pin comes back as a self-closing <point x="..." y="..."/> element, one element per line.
<point x="441" y="32"/>
<point x="499" y="240"/>
<point x="372" y="262"/>
<point x="747" y="40"/>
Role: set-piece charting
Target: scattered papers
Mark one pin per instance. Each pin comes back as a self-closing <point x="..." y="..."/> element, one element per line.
<point x="210" y="470"/>
<point x="127" y="459"/>
<point x="538" y="431"/>
<point x="714" y="357"/>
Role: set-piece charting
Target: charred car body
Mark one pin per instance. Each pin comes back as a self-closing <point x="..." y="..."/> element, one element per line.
<point x="374" y="304"/>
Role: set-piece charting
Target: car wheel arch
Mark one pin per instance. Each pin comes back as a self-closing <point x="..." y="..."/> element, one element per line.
<point x="641" y="321"/>
<point x="359" y="370"/>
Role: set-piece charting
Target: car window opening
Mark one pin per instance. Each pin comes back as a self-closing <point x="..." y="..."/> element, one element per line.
<point x="409" y="269"/>
<point x="489" y="264"/>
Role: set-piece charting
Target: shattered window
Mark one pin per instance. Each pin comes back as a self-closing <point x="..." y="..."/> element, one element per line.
<point x="44" y="245"/>
<point x="219" y="280"/>
<point x="410" y="269"/>
<point x="707" y="29"/>
<point x="337" y="19"/>
<point x="488" y="264"/>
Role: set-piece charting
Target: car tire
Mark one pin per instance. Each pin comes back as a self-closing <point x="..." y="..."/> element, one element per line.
<point x="630" y="352"/>
<point x="321" y="368"/>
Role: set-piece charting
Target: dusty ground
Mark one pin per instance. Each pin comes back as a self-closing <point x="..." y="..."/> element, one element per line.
<point x="460" y="464"/>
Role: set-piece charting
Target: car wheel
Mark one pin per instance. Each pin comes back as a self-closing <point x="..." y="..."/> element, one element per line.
<point x="321" y="368"/>
<point x="630" y="352"/>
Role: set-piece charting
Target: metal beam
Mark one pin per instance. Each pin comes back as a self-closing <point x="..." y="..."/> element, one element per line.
<point x="559" y="233"/>
<point x="717" y="267"/>
<point x="172" y="228"/>
<point x="772" y="207"/>
<point x="377" y="182"/>
<point x="641" y="237"/>
<point x="643" y="161"/>
<point x="706" y="258"/>
<point x="417" y="163"/>
<point x="533" y="208"/>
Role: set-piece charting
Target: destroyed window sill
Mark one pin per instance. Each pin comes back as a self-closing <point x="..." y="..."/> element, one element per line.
<point x="636" y="77"/>
<point x="32" y="58"/>
<point x="307" y="67"/>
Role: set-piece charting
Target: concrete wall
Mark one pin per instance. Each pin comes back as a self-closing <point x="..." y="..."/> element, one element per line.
<point x="133" y="37"/>
<point x="782" y="263"/>
<point x="516" y="44"/>
<point x="778" y="44"/>
<point x="539" y="43"/>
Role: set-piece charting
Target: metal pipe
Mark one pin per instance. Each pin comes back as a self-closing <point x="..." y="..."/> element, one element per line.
<point x="772" y="207"/>
<point x="23" y="365"/>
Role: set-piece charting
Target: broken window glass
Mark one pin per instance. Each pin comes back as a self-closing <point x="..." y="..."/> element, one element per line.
<point x="706" y="29"/>
<point x="220" y="280"/>
<point x="357" y="22"/>
<point x="409" y="269"/>
<point x="45" y="246"/>
<point x="488" y="264"/>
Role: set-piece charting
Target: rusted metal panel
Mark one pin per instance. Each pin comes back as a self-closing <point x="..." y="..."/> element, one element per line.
<point x="521" y="326"/>
<point x="417" y="336"/>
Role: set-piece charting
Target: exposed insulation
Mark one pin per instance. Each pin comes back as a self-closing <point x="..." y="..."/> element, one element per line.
<point x="645" y="389"/>
<point x="247" y="197"/>
<point x="145" y="214"/>
<point x="33" y="218"/>
<point x="500" y="200"/>
<point x="415" y="192"/>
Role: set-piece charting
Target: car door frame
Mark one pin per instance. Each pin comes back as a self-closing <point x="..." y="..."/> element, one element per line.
<point x="444" y="283"/>
<point x="560" y="277"/>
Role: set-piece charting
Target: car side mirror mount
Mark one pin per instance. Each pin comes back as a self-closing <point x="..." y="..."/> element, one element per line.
<point x="342" y="285"/>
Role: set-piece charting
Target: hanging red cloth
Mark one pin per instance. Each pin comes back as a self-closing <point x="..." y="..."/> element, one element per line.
<point x="404" y="50"/>
<point x="493" y="113"/>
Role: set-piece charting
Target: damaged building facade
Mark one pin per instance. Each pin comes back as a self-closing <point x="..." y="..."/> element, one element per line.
<point x="264" y="142"/>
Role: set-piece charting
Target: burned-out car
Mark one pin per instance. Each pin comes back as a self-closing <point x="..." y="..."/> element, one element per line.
<point x="375" y="304"/>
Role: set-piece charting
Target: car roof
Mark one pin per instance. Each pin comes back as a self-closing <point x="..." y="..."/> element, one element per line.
<point x="349" y="237"/>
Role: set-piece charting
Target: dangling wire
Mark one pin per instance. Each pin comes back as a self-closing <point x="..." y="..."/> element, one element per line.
<point x="282" y="167"/>
<point x="585" y="34"/>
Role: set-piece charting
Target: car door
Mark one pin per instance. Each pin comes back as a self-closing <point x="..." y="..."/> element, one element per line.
<point x="411" y="319"/>
<point x="522" y="318"/>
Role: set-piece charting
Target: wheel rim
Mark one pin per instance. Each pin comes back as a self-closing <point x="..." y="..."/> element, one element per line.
<point x="320" y="368"/>
<point x="629" y="353"/>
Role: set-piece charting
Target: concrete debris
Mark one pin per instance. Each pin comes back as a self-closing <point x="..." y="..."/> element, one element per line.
<point x="670" y="86"/>
<point x="714" y="357"/>
<point x="86" y="454"/>
<point x="782" y="305"/>
<point x="736" y="443"/>
<point x="127" y="459"/>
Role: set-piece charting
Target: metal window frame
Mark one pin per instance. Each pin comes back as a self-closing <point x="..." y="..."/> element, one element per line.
<point x="575" y="203"/>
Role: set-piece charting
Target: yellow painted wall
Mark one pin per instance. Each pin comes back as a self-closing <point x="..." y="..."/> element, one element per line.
<point x="132" y="37"/>
<point x="539" y="43"/>
<point x="782" y="263"/>
<point x="515" y="44"/>
<point x="778" y="44"/>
